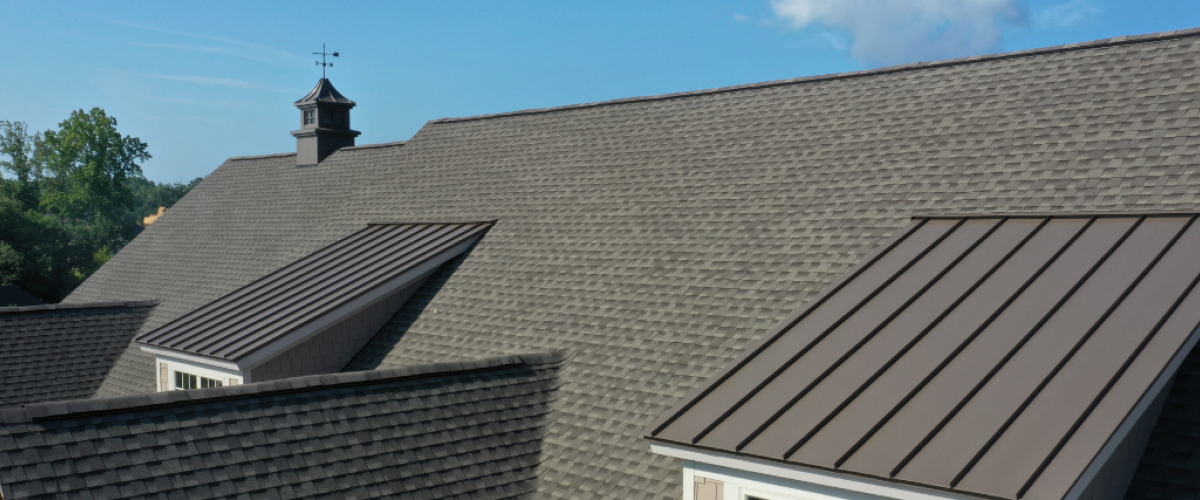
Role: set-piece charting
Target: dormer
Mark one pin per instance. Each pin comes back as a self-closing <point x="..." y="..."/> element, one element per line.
<point x="309" y="317"/>
<point x="324" y="124"/>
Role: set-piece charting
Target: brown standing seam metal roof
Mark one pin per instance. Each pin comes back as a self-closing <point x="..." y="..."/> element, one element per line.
<point x="282" y="302"/>
<point x="986" y="355"/>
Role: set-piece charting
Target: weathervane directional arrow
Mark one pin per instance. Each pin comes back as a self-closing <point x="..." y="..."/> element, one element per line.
<point x="322" y="62"/>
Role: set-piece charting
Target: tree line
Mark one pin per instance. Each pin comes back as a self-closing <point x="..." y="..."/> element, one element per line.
<point x="70" y="199"/>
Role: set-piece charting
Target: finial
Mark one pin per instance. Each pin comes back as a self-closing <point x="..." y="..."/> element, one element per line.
<point x="322" y="62"/>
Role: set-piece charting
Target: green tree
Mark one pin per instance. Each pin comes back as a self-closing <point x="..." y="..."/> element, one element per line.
<point x="87" y="166"/>
<point x="148" y="195"/>
<point x="17" y="145"/>
<point x="67" y="202"/>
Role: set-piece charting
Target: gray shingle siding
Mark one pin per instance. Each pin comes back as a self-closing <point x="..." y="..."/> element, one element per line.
<point x="656" y="237"/>
<point x="451" y="430"/>
<point x="57" y="352"/>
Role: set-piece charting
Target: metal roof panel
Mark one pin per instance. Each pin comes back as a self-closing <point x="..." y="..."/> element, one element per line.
<point x="971" y="356"/>
<point x="267" y="310"/>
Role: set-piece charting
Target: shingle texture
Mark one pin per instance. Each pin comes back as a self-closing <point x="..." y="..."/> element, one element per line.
<point x="56" y="352"/>
<point x="985" y="355"/>
<point x="446" y="431"/>
<point x="657" y="237"/>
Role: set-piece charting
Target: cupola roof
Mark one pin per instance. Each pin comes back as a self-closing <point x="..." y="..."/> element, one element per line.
<point x="324" y="93"/>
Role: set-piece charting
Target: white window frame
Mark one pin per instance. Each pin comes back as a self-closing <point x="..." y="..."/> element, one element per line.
<point x="200" y="381"/>
<point x="226" y="376"/>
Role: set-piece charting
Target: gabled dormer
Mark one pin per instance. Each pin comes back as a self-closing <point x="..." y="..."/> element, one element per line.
<point x="309" y="317"/>
<point x="324" y="124"/>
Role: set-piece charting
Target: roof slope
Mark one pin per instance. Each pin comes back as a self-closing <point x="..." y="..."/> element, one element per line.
<point x="985" y="355"/>
<point x="454" y="431"/>
<point x="286" y="300"/>
<point x="658" y="237"/>
<point x="1170" y="466"/>
<point x="324" y="93"/>
<point x="58" y="352"/>
<point x="15" y="296"/>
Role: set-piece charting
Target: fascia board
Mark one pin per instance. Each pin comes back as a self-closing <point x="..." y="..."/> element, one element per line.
<point x="190" y="357"/>
<point x="1160" y="384"/>
<point x="808" y="475"/>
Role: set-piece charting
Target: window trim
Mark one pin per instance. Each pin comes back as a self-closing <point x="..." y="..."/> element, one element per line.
<point x="186" y="381"/>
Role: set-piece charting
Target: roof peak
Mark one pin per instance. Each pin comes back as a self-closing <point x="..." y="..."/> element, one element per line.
<point x="324" y="92"/>
<point x="1104" y="42"/>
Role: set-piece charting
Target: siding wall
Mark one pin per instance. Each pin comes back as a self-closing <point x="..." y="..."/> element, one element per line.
<point x="330" y="350"/>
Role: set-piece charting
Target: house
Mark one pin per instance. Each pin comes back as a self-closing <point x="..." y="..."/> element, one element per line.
<point x="523" y="305"/>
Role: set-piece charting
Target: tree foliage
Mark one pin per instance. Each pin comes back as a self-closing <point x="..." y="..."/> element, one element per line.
<point x="70" y="199"/>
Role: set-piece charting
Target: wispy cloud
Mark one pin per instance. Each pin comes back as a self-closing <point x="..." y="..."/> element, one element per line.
<point x="227" y="46"/>
<point x="887" y="32"/>
<point x="192" y="48"/>
<point x="1066" y="14"/>
<point x="221" y="82"/>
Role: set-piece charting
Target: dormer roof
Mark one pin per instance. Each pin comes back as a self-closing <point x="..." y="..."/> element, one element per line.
<point x="270" y="310"/>
<point x="324" y="93"/>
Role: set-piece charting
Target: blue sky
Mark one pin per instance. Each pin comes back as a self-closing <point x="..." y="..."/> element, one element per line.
<point x="203" y="81"/>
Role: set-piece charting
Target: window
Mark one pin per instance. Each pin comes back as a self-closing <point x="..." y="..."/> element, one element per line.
<point x="188" y="381"/>
<point x="309" y="117"/>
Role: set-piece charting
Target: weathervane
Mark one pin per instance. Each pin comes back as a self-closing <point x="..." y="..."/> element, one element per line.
<point x="322" y="63"/>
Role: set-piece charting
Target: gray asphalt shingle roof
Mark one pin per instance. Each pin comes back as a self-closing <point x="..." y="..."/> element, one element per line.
<point x="55" y="352"/>
<point x="656" y="237"/>
<point x="452" y="430"/>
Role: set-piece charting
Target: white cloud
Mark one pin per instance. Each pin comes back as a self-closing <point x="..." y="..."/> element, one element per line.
<point x="1066" y="14"/>
<point x="887" y="32"/>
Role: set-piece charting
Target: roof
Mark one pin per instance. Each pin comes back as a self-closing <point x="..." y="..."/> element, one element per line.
<point x="1170" y="465"/>
<point x="450" y="430"/>
<point x="324" y="93"/>
<point x="657" y="238"/>
<point x="269" y="309"/>
<point x="15" y="296"/>
<point x="63" y="351"/>
<point x="986" y="355"/>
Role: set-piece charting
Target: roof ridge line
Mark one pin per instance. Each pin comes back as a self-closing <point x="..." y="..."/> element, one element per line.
<point x="80" y="305"/>
<point x="430" y="222"/>
<point x="347" y="148"/>
<point x="1071" y="47"/>
<point x="1056" y="215"/>
<point x="259" y="157"/>
<point x="81" y="408"/>
<point x="373" y="146"/>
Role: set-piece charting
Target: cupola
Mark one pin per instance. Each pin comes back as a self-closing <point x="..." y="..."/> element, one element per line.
<point x="324" y="124"/>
